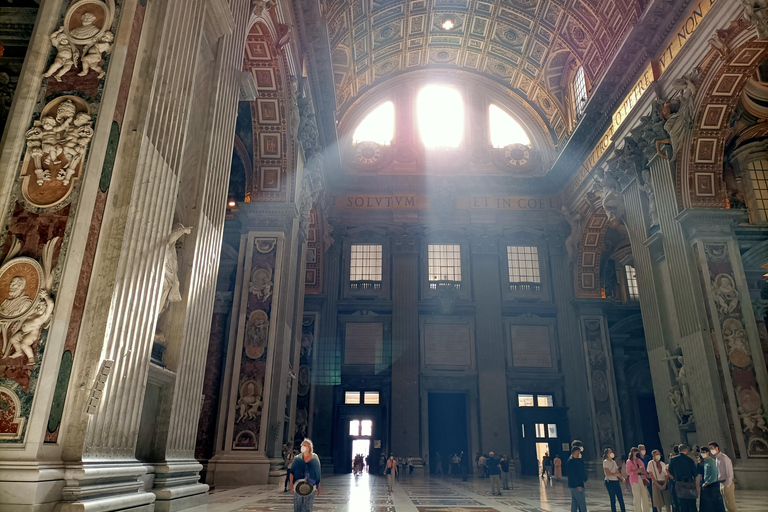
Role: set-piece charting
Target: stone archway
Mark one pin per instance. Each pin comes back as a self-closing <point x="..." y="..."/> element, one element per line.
<point x="587" y="271"/>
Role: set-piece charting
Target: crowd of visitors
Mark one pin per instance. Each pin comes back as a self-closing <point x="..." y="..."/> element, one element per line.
<point x="702" y="476"/>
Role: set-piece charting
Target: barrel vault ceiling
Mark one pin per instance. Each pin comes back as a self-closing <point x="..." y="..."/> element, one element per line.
<point x="523" y="44"/>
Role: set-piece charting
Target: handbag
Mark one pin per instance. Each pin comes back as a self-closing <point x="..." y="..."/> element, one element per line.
<point x="388" y="471"/>
<point x="686" y="490"/>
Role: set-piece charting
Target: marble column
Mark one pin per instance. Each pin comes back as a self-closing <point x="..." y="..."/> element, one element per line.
<point x="327" y="372"/>
<point x="648" y="273"/>
<point x="571" y="350"/>
<point x="405" y="429"/>
<point x="737" y="363"/>
<point x="495" y="433"/>
<point x="686" y="302"/>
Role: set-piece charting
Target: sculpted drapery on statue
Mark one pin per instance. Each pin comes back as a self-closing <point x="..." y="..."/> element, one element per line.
<point x="679" y="111"/>
<point x="756" y="12"/>
<point x="171" y="292"/>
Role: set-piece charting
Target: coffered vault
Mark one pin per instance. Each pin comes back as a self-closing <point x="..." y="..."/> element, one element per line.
<point x="510" y="41"/>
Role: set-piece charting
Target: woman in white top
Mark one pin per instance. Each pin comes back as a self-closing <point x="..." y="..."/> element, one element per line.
<point x="612" y="477"/>
<point x="657" y="471"/>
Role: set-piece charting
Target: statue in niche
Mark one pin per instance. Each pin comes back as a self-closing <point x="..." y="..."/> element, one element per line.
<point x="171" y="292"/>
<point x="259" y="7"/>
<point x="679" y="111"/>
<point x="756" y="12"/>
<point x="647" y="186"/>
<point x="29" y="304"/>
<point x="94" y="54"/>
<point x="726" y="295"/>
<point x="681" y="377"/>
<point x="261" y="282"/>
<point x="576" y="219"/>
<point x="66" y="55"/>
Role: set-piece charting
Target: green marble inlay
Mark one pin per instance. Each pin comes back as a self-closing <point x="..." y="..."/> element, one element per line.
<point x="60" y="394"/>
<point x="109" y="158"/>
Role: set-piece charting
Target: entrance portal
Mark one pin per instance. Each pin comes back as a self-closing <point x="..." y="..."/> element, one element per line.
<point x="360" y="448"/>
<point x="448" y="433"/>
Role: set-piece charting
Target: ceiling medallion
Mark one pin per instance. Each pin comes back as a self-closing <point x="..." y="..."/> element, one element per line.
<point x="517" y="155"/>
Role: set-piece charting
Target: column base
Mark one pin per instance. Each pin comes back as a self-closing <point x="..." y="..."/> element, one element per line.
<point x="177" y="486"/>
<point x="750" y="475"/>
<point x="104" y="486"/>
<point x="30" y="486"/>
<point x="235" y="470"/>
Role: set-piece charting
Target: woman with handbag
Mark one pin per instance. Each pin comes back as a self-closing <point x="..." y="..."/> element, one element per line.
<point x="391" y="471"/>
<point x="657" y="471"/>
<point x="638" y="479"/>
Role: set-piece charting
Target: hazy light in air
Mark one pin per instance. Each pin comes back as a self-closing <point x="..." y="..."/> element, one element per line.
<point x="440" y="112"/>
<point x="378" y="126"/>
<point x="504" y="129"/>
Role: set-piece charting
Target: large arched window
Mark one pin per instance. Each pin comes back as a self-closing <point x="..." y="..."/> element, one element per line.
<point x="580" y="91"/>
<point x="378" y="126"/>
<point x="504" y="129"/>
<point x="440" y="112"/>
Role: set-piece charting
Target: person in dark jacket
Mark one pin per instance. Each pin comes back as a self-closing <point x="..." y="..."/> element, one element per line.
<point x="577" y="478"/>
<point x="464" y="465"/>
<point x="682" y="470"/>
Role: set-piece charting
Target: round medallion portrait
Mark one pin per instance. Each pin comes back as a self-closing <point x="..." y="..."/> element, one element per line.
<point x="19" y="285"/>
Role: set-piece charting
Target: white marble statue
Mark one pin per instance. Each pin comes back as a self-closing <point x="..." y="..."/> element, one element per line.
<point x="261" y="282"/>
<point x="29" y="332"/>
<point x="249" y="404"/>
<point x="171" y="291"/>
<point x="647" y="187"/>
<point x="756" y="12"/>
<point x="676" y="400"/>
<point x="576" y="220"/>
<point x="258" y="7"/>
<point x="609" y="192"/>
<point x="94" y="54"/>
<point x="76" y="144"/>
<point x="66" y="55"/>
<point x="680" y="111"/>
<point x="682" y="379"/>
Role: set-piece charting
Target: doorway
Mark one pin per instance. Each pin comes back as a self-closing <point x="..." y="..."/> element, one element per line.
<point x="541" y="429"/>
<point x="360" y="447"/>
<point x="448" y="433"/>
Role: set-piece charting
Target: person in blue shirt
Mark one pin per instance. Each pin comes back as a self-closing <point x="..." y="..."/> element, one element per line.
<point x="711" y="498"/>
<point x="307" y="467"/>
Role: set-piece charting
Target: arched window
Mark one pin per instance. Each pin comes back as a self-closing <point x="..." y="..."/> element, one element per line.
<point x="504" y="129"/>
<point x="440" y="111"/>
<point x="378" y="126"/>
<point x="579" y="91"/>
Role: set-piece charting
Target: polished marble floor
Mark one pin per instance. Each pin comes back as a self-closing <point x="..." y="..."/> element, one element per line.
<point x="345" y="493"/>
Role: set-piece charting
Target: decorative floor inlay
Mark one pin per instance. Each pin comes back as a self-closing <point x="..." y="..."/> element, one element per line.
<point x="368" y="493"/>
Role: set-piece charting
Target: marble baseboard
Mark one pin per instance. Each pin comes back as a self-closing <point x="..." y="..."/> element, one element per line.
<point x="237" y="472"/>
<point x="184" y="502"/>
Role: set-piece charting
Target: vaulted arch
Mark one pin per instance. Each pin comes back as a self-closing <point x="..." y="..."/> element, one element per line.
<point x="587" y="265"/>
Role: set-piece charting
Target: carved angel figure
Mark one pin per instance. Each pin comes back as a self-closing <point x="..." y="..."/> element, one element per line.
<point x="94" y="54"/>
<point x="259" y="6"/>
<point x="676" y="400"/>
<point x="679" y="111"/>
<point x="261" y="282"/>
<point x="75" y="146"/>
<point x="171" y="291"/>
<point x="681" y="377"/>
<point x="21" y="333"/>
<point x="756" y="12"/>
<point x="66" y="55"/>
<point x="610" y="194"/>
<point x="249" y="404"/>
<point x="726" y="295"/>
<point x="576" y="220"/>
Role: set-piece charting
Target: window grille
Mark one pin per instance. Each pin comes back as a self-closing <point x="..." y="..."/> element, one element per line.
<point x="365" y="267"/>
<point x="444" y="264"/>
<point x="580" y="91"/>
<point x="758" y="176"/>
<point x="633" y="291"/>
<point x="524" y="273"/>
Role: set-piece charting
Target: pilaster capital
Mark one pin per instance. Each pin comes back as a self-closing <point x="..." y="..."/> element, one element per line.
<point x="405" y="240"/>
<point x="267" y="216"/>
<point x="710" y="222"/>
<point x="484" y="243"/>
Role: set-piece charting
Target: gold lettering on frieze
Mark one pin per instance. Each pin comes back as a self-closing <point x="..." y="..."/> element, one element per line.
<point x="682" y="35"/>
<point x="382" y="202"/>
<point x="626" y="106"/>
<point x="515" y="203"/>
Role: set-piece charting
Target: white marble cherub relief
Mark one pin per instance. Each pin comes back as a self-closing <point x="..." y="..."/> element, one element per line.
<point x="94" y="54"/>
<point x="68" y="135"/>
<point x="249" y="404"/>
<point x="261" y="282"/>
<point x="29" y="304"/>
<point x="66" y="55"/>
<point x="726" y="295"/>
<point x="750" y="410"/>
